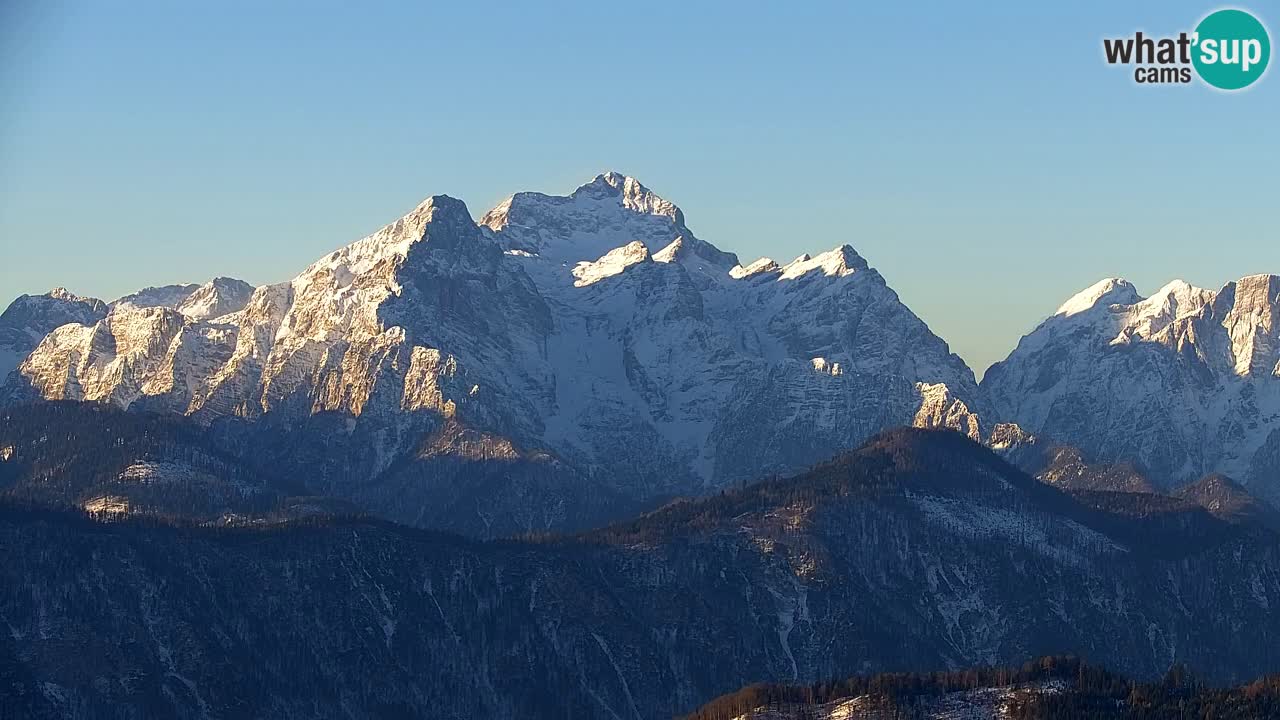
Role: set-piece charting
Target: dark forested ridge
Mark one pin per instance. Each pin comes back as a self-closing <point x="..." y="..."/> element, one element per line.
<point x="907" y="460"/>
<point x="1050" y="688"/>
<point x="97" y="456"/>
<point x="112" y="461"/>
<point x="102" y="459"/>
<point x="920" y="551"/>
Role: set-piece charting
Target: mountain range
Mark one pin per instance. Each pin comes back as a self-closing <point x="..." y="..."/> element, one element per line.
<point x="568" y="360"/>
<point x="561" y="361"/>
<point x="1182" y="384"/>
<point x="571" y="460"/>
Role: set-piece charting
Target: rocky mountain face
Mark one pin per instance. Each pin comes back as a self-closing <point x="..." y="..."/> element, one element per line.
<point x="922" y="550"/>
<point x="218" y="297"/>
<point x="1226" y="499"/>
<point x="1068" y="468"/>
<point x="1182" y="384"/>
<point x="565" y="359"/>
<point x="31" y="317"/>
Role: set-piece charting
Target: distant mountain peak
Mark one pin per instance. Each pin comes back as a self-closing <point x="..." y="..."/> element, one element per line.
<point x="610" y="182"/>
<point x="1181" y="383"/>
<point x="837" y="262"/>
<point x="61" y="293"/>
<point x="31" y="317"/>
<point x="42" y="313"/>
<point x="605" y="213"/>
<point x="169" y="296"/>
<point x="1105" y="292"/>
<point x="1174" y="300"/>
<point x="218" y="297"/>
<point x="391" y="243"/>
<point x="633" y="194"/>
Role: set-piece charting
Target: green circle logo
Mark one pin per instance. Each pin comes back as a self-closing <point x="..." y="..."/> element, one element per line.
<point x="1231" y="49"/>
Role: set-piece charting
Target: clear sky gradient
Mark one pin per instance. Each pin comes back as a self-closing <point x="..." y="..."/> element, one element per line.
<point x="985" y="159"/>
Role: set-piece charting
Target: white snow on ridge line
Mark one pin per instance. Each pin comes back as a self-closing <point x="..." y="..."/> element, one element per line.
<point x="1115" y="290"/>
<point x="763" y="265"/>
<point x="837" y="262"/>
<point x="1175" y="299"/>
<point x="610" y="264"/>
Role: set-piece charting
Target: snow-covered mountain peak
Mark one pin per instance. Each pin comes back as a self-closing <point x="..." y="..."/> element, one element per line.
<point x="166" y="296"/>
<point x="1104" y="293"/>
<point x="837" y="262"/>
<point x="42" y="313"/>
<point x="1181" y="383"/>
<point x="353" y="280"/>
<point x="608" y="184"/>
<point x="631" y="193"/>
<point x="216" y="298"/>
<point x="1175" y="300"/>
<point x="1128" y="315"/>
<point x="30" y="317"/>
<point x="342" y="294"/>
<point x="393" y="241"/>
<point x="606" y="213"/>
<point x="1175" y="292"/>
<point x="61" y="293"/>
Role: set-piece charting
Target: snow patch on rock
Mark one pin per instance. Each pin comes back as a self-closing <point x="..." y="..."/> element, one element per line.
<point x="611" y="263"/>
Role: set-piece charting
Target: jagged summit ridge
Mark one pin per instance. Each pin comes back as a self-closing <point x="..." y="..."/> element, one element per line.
<point x="594" y="328"/>
<point x="841" y="261"/>
<point x="1185" y="382"/>
<point x="1105" y="292"/>
<point x="30" y="317"/>
<point x="610" y="211"/>
<point x="216" y="298"/>
<point x="634" y="195"/>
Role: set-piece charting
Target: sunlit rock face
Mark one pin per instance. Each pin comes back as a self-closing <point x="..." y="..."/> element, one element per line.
<point x="594" y="331"/>
<point x="1184" y="383"/>
<point x="29" y="318"/>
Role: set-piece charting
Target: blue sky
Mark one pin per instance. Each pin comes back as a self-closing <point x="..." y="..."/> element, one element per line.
<point x="984" y="158"/>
